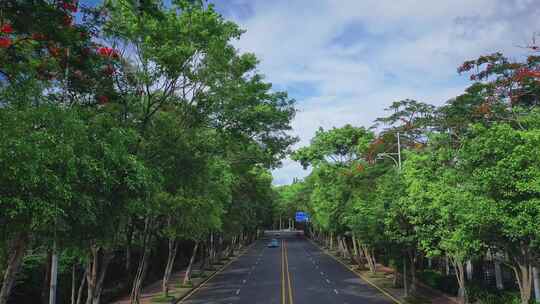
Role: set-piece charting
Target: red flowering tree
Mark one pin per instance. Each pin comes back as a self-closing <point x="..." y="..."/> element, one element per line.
<point x="518" y="83"/>
<point x="52" y="44"/>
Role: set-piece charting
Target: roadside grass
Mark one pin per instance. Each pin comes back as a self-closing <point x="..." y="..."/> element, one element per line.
<point x="188" y="284"/>
<point x="180" y="290"/>
<point x="417" y="300"/>
<point x="162" y="299"/>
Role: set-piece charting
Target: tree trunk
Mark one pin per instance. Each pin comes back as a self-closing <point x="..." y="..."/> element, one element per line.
<point x="521" y="264"/>
<point x="173" y="248"/>
<point x="413" y="257"/>
<point x="498" y="275"/>
<point x="447" y="265"/>
<point x="16" y="251"/>
<point x="469" y="270"/>
<point x="342" y="247"/>
<point x="81" y="287"/>
<point x="129" y="237"/>
<point x="92" y="274"/>
<point x="233" y="246"/>
<point x="107" y="258"/>
<point x="460" y="276"/>
<point x="355" y="248"/>
<point x="356" y="252"/>
<point x="95" y="273"/>
<point x="396" y="278"/>
<point x="143" y="263"/>
<point x="54" y="275"/>
<point x="370" y="258"/>
<point x="536" y="283"/>
<point x="73" y="282"/>
<point x="204" y="257"/>
<point x="405" y="278"/>
<point x="187" y="275"/>
<point x="523" y="274"/>
<point x="212" y="249"/>
<point x="46" y="279"/>
<point x="346" y="250"/>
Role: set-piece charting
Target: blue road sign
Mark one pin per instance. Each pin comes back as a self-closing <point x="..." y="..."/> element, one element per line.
<point x="302" y="216"/>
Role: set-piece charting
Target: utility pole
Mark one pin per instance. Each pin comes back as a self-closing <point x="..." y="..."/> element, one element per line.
<point x="399" y="151"/>
<point x="398" y="165"/>
<point x="54" y="257"/>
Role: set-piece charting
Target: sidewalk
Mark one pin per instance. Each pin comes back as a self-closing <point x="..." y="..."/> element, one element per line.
<point x="152" y="293"/>
<point x="424" y="291"/>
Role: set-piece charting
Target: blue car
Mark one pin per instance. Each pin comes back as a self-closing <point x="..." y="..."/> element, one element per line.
<point x="273" y="244"/>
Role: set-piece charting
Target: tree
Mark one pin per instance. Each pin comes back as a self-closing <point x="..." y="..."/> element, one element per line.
<point x="339" y="146"/>
<point x="33" y="143"/>
<point x="501" y="161"/>
<point x="446" y="214"/>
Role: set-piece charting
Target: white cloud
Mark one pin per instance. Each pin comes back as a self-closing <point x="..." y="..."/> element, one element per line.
<point x="359" y="56"/>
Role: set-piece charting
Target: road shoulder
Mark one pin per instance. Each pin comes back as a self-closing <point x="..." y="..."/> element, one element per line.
<point x="383" y="283"/>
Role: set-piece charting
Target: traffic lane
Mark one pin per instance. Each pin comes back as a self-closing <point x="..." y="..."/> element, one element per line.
<point x="307" y="283"/>
<point x="241" y="281"/>
<point x="263" y="284"/>
<point x="349" y="288"/>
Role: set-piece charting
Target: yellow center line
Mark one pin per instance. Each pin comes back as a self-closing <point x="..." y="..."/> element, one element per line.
<point x="288" y="276"/>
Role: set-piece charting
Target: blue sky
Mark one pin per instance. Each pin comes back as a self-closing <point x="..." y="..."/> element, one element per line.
<point x="344" y="61"/>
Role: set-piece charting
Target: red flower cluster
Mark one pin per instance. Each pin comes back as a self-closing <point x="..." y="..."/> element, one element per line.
<point x="6" y="29"/>
<point x="107" y="52"/>
<point x="102" y="99"/>
<point x="54" y="51"/>
<point x="525" y="72"/>
<point x="465" y="66"/>
<point x="38" y="36"/>
<point x="5" y="42"/>
<point x="68" y="20"/>
<point x="70" y="6"/>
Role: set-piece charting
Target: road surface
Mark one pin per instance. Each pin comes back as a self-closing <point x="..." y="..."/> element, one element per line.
<point x="296" y="272"/>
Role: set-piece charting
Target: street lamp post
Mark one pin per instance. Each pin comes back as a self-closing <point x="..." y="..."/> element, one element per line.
<point x="397" y="162"/>
<point x="391" y="155"/>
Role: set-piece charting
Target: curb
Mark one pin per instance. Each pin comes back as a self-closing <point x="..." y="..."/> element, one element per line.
<point x="201" y="285"/>
<point x="384" y="292"/>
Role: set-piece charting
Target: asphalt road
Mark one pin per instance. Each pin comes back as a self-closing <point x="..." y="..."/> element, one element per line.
<point x="296" y="272"/>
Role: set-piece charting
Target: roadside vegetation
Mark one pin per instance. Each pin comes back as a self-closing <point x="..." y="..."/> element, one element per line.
<point x="134" y="139"/>
<point x="458" y="208"/>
